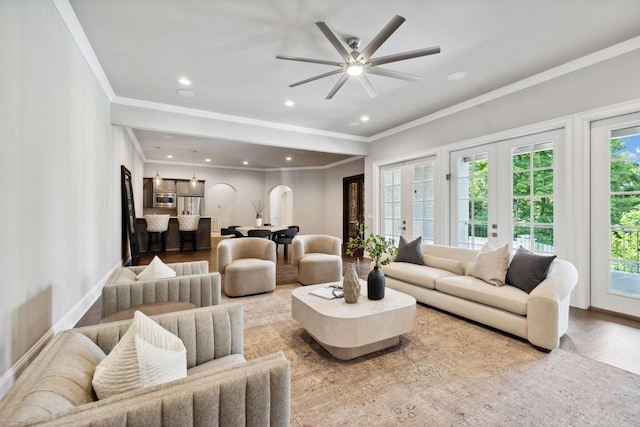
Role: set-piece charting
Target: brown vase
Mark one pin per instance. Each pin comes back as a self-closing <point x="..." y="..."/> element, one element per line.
<point x="351" y="284"/>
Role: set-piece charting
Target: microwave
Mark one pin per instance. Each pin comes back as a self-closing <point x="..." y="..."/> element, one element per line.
<point x="164" y="200"/>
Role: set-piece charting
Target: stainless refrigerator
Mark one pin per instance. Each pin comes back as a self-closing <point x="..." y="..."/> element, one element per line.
<point x="190" y="205"/>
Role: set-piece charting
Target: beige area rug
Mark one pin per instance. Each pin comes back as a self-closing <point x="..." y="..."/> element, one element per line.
<point x="447" y="372"/>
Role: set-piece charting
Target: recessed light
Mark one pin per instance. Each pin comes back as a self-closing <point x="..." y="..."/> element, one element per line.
<point x="456" y="76"/>
<point x="245" y="163"/>
<point x="184" y="81"/>
<point x="186" y="93"/>
<point x="288" y="159"/>
<point x="207" y="160"/>
<point x="169" y="156"/>
<point x="364" y="118"/>
<point x="289" y="103"/>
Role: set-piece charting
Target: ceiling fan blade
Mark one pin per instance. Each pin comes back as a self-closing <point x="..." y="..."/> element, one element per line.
<point x="344" y="53"/>
<point x="321" y="76"/>
<point x="393" y="74"/>
<point x="366" y="84"/>
<point x="338" y="85"/>
<point x="382" y="37"/>
<point x="313" y="61"/>
<point x="405" y="55"/>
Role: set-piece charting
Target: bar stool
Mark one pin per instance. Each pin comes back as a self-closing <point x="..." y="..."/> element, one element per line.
<point x="157" y="225"/>
<point x="188" y="226"/>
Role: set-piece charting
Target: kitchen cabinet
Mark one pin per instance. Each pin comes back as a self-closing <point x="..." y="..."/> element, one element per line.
<point x="168" y="186"/>
<point x="184" y="188"/>
<point x="147" y="193"/>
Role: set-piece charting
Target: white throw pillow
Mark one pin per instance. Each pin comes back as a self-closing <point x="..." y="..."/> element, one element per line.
<point x="125" y="275"/>
<point x="156" y="270"/>
<point x="491" y="266"/>
<point x="146" y="355"/>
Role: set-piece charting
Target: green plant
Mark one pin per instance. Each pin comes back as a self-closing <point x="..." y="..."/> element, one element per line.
<point x="376" y="245"/>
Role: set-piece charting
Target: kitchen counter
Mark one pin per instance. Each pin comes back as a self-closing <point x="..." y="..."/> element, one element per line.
<point x="203" y="235"/>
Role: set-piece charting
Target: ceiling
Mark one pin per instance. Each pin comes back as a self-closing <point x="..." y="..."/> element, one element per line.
<point x="228" y="49"/>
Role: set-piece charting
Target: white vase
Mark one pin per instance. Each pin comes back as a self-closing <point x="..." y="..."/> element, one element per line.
<point x="258" y="221"/>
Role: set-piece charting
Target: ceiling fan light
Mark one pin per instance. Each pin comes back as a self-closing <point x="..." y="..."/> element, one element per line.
<point x="355" y="69"/>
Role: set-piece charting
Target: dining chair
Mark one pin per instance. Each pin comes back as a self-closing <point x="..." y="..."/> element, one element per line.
<point x="285" y="237"/>
<point x="259" y="233"/>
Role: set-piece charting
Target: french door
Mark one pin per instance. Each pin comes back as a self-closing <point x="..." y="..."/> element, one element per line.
<point x="615" y="214"/>
<point x="503" y="193"/>
<point x="408" y="200"/>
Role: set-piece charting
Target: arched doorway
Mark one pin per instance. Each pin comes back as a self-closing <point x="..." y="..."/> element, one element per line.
<point x="281" y="205"/>
<point x="221" y="205"/>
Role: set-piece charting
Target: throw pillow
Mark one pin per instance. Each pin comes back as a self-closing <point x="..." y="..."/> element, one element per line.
<point x="125" y="275"/>
<point x="156" y="270"/>
<point x="410" y="251"/>
<point x="491" y="266"/>
<point x="147" y="354"/>
<point x="527" y="269"/>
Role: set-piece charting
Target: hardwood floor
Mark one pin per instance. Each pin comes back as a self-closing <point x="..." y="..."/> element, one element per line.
<point x="599" y="336"/>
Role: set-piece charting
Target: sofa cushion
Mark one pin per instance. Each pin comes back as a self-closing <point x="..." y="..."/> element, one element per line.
<point x="410" y="251"/>
<point x="149" y="309"/>
<point x="218" y="364"/>
<point x="66" y="381"/>
<point x="415" y="274"/>
<point x="147" y="354"/>
<point x="491" y="265"/>
<point x="527" y="269"/>
<point x="452" y="265"/>
<point x="506" y="298"/>
<point x="156" y="270"/>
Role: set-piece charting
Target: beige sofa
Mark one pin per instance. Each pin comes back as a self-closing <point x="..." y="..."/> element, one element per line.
<point x="540" y="316"/>
<point x="194" y="286"/>
<point x="221" y="387"/>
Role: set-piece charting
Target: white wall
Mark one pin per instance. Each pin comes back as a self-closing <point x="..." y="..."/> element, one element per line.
<point x="558" y="103"/>
<point x="60" y="166"/>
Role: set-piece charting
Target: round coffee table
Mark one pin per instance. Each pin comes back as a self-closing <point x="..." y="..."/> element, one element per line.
<point x="348" y="331"/>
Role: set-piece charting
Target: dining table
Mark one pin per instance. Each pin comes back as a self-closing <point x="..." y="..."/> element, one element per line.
<point x="245" y="229"/>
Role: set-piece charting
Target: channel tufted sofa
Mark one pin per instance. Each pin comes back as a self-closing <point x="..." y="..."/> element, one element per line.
<point x="221" y="387"/>
<point x="446" y="282"/>
<point x="193" y="286"/>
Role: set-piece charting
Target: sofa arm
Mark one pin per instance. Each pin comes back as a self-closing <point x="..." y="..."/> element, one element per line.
<point x="199" y="289"/>
<point x="548" y="305"/>
<point x="255" y="393"/>
<point x="207" y="333"/>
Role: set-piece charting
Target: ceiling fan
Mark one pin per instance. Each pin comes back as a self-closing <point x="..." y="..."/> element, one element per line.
<point x="358" y="64"/>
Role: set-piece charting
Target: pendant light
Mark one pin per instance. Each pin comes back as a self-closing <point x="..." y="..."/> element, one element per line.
<point x="157" y="181"/>
<point x="194" y="181"/>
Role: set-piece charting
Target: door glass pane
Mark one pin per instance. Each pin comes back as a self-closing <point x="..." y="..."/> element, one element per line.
<point x="532" y="198"/>
<point x="423" y="195"/>
<point x="473" y="191"/>
<point x="391" y="202"/>
<point x="624" y="207"/>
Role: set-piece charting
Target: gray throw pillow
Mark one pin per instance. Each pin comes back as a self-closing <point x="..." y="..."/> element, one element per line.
<point x="527" y="269"/>
<point x="410" y="251"/>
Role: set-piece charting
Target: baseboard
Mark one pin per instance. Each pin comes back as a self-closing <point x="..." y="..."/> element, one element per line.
<point x="67" y="321"/>
<point x="72" y="317"/>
